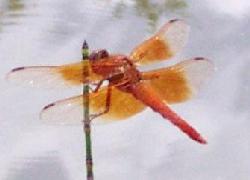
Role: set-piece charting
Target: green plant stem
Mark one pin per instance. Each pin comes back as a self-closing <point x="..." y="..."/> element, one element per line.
<point x="86" y="120"/>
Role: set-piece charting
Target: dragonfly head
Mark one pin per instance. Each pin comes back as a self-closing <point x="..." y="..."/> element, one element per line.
<point x="98" y="54"/>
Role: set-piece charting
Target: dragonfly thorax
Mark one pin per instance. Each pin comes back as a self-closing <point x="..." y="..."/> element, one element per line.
<point x="124" y="72"/>
<point x="98" y="54"/>
<point x="118" y="69"/>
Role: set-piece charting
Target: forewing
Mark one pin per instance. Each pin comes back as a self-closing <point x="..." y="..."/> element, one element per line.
<point x="168" y="41"/>
<point x="51" y="76"/>
<point x="70" y="111"/>
<point x="180" y="82"/>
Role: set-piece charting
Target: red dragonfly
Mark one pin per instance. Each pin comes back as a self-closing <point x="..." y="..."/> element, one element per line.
<point x="127" y="91"/>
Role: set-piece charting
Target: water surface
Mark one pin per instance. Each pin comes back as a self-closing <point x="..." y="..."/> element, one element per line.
<point x="145" y="147"/>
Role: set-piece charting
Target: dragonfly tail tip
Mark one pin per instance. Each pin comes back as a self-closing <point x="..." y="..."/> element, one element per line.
<point x="201" y="140"/>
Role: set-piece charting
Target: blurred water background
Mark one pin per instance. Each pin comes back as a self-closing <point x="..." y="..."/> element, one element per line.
<point x="145" y="147"/>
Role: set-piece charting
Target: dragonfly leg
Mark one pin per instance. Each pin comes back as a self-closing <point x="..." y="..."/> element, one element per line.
<point x="98" y="85"/>
<point x="107" y="105"/>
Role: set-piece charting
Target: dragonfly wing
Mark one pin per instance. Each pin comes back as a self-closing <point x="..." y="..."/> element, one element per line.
<point x="168" y="41"/>
<point x="51" y="76"/>
<point x="70" y="111"/>
<point x="180" y="82"/>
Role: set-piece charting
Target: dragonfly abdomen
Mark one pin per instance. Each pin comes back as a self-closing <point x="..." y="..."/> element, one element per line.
<point x="149" y="97"/>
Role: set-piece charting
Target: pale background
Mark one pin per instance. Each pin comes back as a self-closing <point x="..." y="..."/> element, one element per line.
<point x="146" y="146"/>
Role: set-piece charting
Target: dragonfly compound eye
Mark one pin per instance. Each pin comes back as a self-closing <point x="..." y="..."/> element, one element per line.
<point x="93" y="56"/>
<point x="103" y="54"/>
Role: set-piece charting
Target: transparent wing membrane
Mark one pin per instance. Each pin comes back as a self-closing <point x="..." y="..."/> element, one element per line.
<point x="168" y="41"/>
<point x="50" y="76"/>
<point x="70" y="111"/>
<point x="180" y="82"/>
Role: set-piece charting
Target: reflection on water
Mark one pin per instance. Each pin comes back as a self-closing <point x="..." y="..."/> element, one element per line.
<point x="12" y="10"/>
<point x="41" y="167"/>
<point x="153" y="10"/>
<point x="15" y="5"/>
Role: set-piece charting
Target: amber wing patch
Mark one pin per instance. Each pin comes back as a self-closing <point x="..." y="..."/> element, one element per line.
<point x="171" y="85"/>
<point x="123" y="105"/>
<point x="73" y="73"/>
<point x="168" y="41"/>
<point x="153" y="49"/>
<point x="70" y="111"/>
<point x="180" y="82"/>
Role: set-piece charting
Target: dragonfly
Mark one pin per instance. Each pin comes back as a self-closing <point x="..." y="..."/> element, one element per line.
<point x="119" y="89"/>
